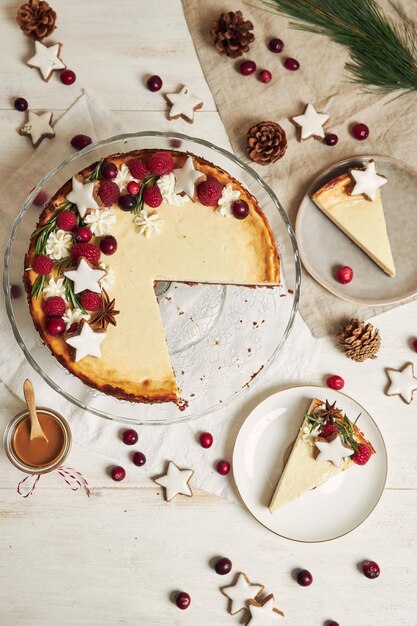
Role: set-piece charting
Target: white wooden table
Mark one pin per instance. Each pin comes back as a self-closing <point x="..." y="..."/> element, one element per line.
<point x="118" y="557"/>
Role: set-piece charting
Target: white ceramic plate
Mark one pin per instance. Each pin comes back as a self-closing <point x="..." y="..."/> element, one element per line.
<point x="327" y="512"/>
<point x="323" y="247"/>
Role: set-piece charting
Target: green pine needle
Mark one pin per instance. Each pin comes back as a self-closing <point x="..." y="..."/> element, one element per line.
<point x="144" y="184"/>
<point x="383" y="51"/>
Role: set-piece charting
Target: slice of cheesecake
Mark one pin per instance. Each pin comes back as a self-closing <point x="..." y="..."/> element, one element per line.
<point x="324" y="428"/>
<point x="361" y="219"/>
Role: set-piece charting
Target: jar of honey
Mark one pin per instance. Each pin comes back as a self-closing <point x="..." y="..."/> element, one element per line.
<point x="37" y="456"/>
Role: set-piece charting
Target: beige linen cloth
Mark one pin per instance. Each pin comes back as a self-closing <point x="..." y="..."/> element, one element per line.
<point x="321" y="80"/>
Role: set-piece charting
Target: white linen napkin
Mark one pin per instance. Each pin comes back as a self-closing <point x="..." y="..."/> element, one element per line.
<point x="178" y="442"/>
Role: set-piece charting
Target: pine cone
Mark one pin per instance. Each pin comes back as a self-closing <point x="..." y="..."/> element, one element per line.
<point x="266" y="142"/>
<point x="231" y="34"/>
<point x="359" y="341"/>
<point x="36" y="19"/>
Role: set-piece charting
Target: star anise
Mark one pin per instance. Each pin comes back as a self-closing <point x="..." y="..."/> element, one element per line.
<point x="330" y="412"/>
<point x="106" y="314"/>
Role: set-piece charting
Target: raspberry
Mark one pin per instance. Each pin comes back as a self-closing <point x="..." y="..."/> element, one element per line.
<point x="161" y="163"/>
<point x="209" y="191"/>
<point x="89" y="251"/>
<point x="66" y="220"/>
<point x="329" y="429"/>
<point x="108" y="192"/>
<point x="138" y="168"/>
<point x="152" y="197"/>
<point x="363" y="456"/>
<point x="42" y="264"/>
<point x="90" y="301"/>
<point x="54" y="307"/>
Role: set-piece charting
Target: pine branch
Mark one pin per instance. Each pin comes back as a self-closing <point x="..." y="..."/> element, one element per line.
<point x="383" y="52"/>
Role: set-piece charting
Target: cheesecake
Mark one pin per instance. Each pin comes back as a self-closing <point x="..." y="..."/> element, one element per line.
<point x="359" y="217"/>
<point x="327" y="444"/>
<point x="115" y="229"/>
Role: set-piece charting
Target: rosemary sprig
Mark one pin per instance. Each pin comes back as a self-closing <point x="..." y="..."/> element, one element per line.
<point x="96" y="173"/>
<point x="38" y="286"/>
<point x="70" y="296"/>
<point x="42" y="233"/>
<point x="139" y="200"/>
<point x="383" y="53"/>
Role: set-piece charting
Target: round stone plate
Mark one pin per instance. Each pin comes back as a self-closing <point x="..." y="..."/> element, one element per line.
<point x="262" y="447"/>
<point x="323" y="247"/>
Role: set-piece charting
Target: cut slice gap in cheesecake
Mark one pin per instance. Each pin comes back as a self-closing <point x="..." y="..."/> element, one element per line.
<point x="303" y="471"/>
<point x="362" y="220"/>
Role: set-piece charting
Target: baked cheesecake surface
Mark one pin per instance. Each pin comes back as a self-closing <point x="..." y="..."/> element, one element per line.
<point x="181" y="239"/>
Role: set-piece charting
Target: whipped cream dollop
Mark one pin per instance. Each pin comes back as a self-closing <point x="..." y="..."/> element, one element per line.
<point x="107" y="281"/>
<point x="58" y="244"/>
<point x="166" y="186"/>
<point x="100" y="221"/>
<point x="148" y="223"/>
<point x="310" y="434"/>
<point x="229" y="195"/>
<point x="74" y="316"/>
<point x="123" y="177"/>
<point x="54" y="288"/>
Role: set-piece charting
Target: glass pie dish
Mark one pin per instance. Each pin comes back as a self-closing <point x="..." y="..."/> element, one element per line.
<point x="221" y="338"/>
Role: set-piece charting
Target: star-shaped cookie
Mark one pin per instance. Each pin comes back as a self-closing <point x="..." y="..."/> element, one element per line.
<point x="310" y="123"/>
<point x="240" y="592"/>
<point x="85" y="277"/>
<point x="403" y="382"/>
<point x="82" y="195"/>
<point x="175" y="481"/>
<point x="38" y="127"/>
<point x="367" y="181"/>
<point x="46" y="59"/>
<point x="263" y="612"/>
<point x="87" y="343"/>
<point x="183" y="104"/>
<point x="333" y="451"/>
<point x="186" y="178"/>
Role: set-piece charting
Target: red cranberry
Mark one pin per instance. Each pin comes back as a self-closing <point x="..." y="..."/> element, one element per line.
<point x="344" y="274"/>
<point x="133" y="188"/>
<point x="109" y="170"/>
<point x="127" y="202"/>
<point x="291" y="64"/>
<point x="81" y="141"/>
<point x="415" y="345"/>
<point x="240" y="209"/>
<point x="154" y="83"/>
<point x="265" y="76"/>
<point x="20" y="104"/>
<point x="118" y="473"/>
<point x="276" y="45"/>
<point x="55" y="325"/>
<point x="108" y="245"/>
<point x="139" y="459"/>
<point x="304" y="578"/>
<point x="247" y="68"/>
<point x="40" y="199"/>
<point x="371" y="569"/>
<point x="183" y="600"/>
<point x="360" y="131"/>
<point x="83" y="234"/>
<point x="206" y="440"/>
<point x="333" y="623"/>
<point x="15" y="292"/>
<point x="130" y="437"/>
<point x="331" y="139"/>
<point x="223" y="566"/>
<point x="223" y="467"/>
<point x="335" y="382"/>
<point x="68" y="77"/>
